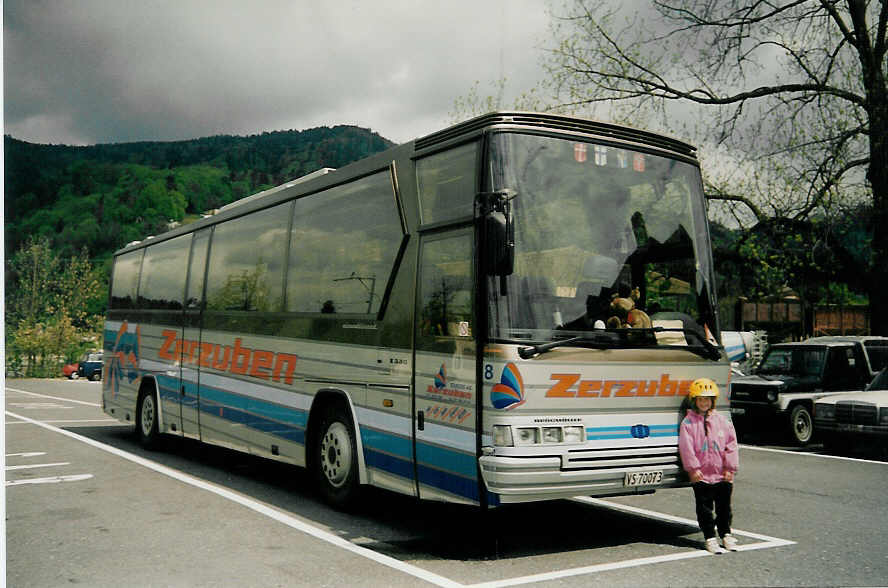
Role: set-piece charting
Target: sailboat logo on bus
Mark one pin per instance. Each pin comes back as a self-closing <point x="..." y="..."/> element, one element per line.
<point x="509" y="393"/>
<point x="441" y="378"/>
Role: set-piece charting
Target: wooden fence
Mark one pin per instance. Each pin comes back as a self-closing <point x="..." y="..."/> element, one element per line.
<point x="787" y="319"/>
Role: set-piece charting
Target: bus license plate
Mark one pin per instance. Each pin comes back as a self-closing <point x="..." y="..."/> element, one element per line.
<point x="643" y="478"/>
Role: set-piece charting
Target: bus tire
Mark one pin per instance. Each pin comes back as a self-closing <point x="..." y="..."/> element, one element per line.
<point x="147" y="429"/>
<point x="336" y="458"/>
<point x="801" y="424"/>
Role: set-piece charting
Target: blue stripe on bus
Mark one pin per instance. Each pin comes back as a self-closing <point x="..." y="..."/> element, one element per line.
<point x="385" y="442"/>
<point x="447" y="481"/>
<point x="388" y="463"/>
<point x="465" y="487"/>
<point x="456" y="462"/>
<point x="250" y="420"/>
<point x="280" y="421"/>
<point x="454" y="471"/>
<point x="625" y="432"/>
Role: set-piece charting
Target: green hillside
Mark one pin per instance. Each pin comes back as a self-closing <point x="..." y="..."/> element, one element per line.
<point x="67" y="209"/>
<point x="101" y="197"/>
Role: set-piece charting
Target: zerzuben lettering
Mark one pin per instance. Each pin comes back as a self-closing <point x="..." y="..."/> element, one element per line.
<point x="571" y="386"/>
<point x="236" y="359"/>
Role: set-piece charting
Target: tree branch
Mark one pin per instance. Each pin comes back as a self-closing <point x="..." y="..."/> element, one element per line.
<point x="719" y="195"/>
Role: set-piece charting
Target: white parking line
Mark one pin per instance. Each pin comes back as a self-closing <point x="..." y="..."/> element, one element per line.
<point x="785" y="452"/>
<point x="257" y="507"/>
<point x="594" y="569"/>
<point x="432" y="578"/>
<point x="37" y="465"/>
<point x="26" y="454"/>
<point x="771" y="541"/>
<point x="54" y="397"/>
<point x="53" y="480"/>
<point x="59" y="421"/>
<point x="766" y="542"/>
<point x="37" y="405"/>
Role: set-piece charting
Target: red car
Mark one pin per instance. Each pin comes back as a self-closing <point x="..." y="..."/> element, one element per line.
<point x="70" y="371"/>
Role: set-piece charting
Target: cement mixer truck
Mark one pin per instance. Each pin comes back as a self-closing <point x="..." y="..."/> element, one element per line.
<point x="744" y="348"/>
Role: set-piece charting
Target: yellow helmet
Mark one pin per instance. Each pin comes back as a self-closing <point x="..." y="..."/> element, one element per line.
<point x="703" y="387"/>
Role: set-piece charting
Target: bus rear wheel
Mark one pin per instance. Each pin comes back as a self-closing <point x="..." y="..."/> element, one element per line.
<point x="146" y="419"/>
<point x="336" y="459"/>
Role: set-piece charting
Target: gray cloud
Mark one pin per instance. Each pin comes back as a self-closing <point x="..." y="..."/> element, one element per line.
<point x="96" y="71"/>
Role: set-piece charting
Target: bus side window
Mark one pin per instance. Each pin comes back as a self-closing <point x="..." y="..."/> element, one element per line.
<point x="247" y="262"/>
<point x="446" y="183"/>
<point x="196" y="268"/>
<point x="159" y="286"/>
<point x="125" y="281"/>
<point x="343" y="247"/>
<point x="445" y="297"/>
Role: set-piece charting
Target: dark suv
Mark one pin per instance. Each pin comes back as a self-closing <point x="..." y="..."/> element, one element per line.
<point x="90" y="366"/>
<point x="875" y="348"/>
<point x="791" y="376"/>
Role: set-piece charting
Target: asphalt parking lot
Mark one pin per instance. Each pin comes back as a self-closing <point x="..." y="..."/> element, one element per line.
<point x="86" y="505"/>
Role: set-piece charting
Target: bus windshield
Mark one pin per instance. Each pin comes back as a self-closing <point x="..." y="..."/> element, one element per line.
<point x="605" y="238"/>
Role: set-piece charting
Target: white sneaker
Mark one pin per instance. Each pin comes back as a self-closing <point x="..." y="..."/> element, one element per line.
<point x="730" y="542"/>
<point x="712" y="546"/>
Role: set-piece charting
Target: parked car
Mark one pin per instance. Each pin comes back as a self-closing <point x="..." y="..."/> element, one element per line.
<point x="842" y="418"/>
<point x="69" y="370"/>
<point x="90" y="366"/>
<point x="781" y="391"/>
<point x="875" y="348"/>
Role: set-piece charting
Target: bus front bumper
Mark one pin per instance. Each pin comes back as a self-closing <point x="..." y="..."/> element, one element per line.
<point x="525" y="479"/>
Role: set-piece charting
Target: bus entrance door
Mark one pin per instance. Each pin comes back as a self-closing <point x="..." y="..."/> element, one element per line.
<point x="444" y="372"/>
<point x="189" y="386"/>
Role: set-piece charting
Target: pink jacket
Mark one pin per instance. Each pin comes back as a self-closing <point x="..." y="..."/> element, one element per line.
<point x="712" y="454"/>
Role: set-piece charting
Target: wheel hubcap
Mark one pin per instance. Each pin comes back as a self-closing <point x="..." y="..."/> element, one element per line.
<point x="803" y="426"/>
<point x="147" y="414"/>
<point x="336" y="454"/>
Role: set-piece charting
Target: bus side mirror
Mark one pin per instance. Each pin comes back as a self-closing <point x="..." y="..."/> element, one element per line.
<point x="499" y="233"/>
<point x="500" y="241"/>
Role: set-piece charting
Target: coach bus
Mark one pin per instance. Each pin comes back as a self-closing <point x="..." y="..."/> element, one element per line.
<point x="446" y="319"/>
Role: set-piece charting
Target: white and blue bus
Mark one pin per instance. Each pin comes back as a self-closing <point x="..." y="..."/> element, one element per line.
<point x="446" y="319"/>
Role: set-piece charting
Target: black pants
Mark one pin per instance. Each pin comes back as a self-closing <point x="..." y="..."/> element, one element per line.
<point x="719" y="496"/>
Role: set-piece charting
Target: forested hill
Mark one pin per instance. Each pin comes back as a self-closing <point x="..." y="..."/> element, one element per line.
<point x="103" y="196"/>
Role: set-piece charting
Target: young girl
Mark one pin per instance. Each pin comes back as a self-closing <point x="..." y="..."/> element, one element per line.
<point x="708" y="446"/>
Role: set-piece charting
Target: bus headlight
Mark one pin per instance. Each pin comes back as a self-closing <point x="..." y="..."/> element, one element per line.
<point x="552" y="435"/>
<point x="507" y="436"/>
<point x="528" y="436"/>
<point x="574" y="435"/>
<point x="502" y="435"/>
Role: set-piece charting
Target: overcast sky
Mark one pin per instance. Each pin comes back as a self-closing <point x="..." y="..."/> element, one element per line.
<point x="100" y="71"/>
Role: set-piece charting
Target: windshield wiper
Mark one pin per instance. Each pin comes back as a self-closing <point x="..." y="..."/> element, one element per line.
<point x="600" y="338"/>
<point x="613" y="338"/>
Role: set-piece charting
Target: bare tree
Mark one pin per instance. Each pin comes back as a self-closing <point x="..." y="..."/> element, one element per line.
<point x="795" y="90"/>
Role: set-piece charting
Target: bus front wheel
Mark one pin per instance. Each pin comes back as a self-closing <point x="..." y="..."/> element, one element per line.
<point x="336" y="459"/>
<point x="146" y="419"/>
